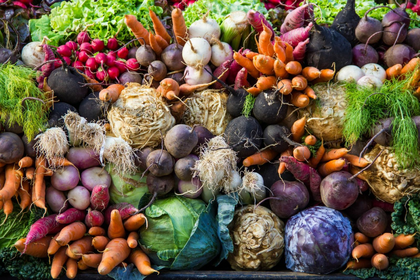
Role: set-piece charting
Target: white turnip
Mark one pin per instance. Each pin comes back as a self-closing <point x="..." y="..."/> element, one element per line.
<point x="56" y="200"/>
<point x="65" y="178"/>
<point x="206" y="28"/>
<point x="94" y="176"/>
<point x="79" y="197"/>
<point x="349" y="73"/>
<point x="196" y="51"/>
<point x="197" y="75"/>
<point x="83" y="158"/>
<point x="375" y="70"/>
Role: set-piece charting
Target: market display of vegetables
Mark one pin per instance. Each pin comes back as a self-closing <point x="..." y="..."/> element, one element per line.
<point x="139" y="137"/>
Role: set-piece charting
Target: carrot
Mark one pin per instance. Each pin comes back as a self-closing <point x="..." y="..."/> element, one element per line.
<point x="293" y="67"/>
<point x="81" y="265"/>
<point x="11" y="185"/>
<point x="362" y="251"/>
<point x="404" y="253"/>
<point x="132" y="239"/>
<point x="299" y="82"/>
<point x="37" y="248"/>
<point x="285" y="86"/>
<point x="116" y="251"/>
<point x="331" y="166"/>
<point x="137" y="28"/>
<point x="7" y="209"/>
<point x="410" y="66"/>
<point x="326" y="75"/>
<point x="289" y="53"/>
<point x="111" y="93"/>
<point x="282" y="165"/>
<point x="141" y="261"/>
<point x="250" y="55"/>
<point x="161" y="42"/>
<point x="279" y="50"/>
<point x="334" y="154"/>
<point x="260" y="158"/>
<point x="159" y="27"/>
<point x="361" y="238"/>
<point x="247" y="64"/>
<point x="266" y="82"/>
<point x="301" y="153"/>
<point x="380" y="261"/>
<point x="29" y="173"/>
<point x="298" y="129"/>
<point x="80" y="247"/>
<point x="384" y="243"/>
<point x="53" y="246"/>
<point x="135" y="222"/>
<point x="254" y="91"/>
<point x="311" y="73"/>
<point x="265" y="41"/>
<point x="71" y="268"/>
<point x="264" y="64"/>
<point x="38" y="188"/>
<point x="393" y="71"/>
<point x="169" y="88"/>
<point x="299" y="99"/>
<point x="179" y="27"/>
<point x="313" y="162"/>
<point x="402" y="241"/>
<point x="154" y="44"/>
<point x="186" y="89"/>
<point x="356" y="161"/>
<point x="280" y="69"/>
<point x="310" y="93"/>
<point x="73" y="231"/>
<point x="59" y="260"/>
<point x="354" y="170"/>
<point x="99" y="242"/>
<point x="116" y="227"/>
<point x="96" y="231"/>
<point x="25" y="196"/>
<point x="362" y="263"/>
<point x="310" y="140"/>
<point x="92" y="260"/>
<point x="25" y="162"/>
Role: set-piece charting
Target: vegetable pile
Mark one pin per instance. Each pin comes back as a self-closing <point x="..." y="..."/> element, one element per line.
<point x="146" y="136"/>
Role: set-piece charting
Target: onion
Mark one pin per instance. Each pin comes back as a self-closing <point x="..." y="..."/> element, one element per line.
<point x="33" y="54"/>
<point x="220" y="52"/>
<point x="370" y="82"/>
<point x="196" y="76"/>
<point x="196" y="51"/>
<point x="376" y="70"/>
<point x="349" y="73"/>
<point x="206" y="28"/>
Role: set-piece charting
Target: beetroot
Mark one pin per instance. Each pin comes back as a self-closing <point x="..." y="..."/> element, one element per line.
<point x="362" y="204"/>
<point x="364" y="54"/>
<point x="337" y="191"/>
<point x="373" y="222"/>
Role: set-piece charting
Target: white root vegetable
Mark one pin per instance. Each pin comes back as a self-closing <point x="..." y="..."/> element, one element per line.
<point x="197" y="75"/>
<point x="220" y="52"/>
<point x="52" y="143"/>
<point x="196" y="52"/>
<point x="349" y="73"/>
<point x="33" y="54"/>
<point x="370" y="82"/>
<point x="75" y="125"/>
<point x="235" y="182"/>
<point x="375" y="70"/>
<point x="119" y="152"/>
<point x="206" y="28"/>
<point x="252" y="189"/>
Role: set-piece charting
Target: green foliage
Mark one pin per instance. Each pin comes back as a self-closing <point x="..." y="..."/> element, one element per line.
<point x="248" y="105"/>
<point x="406" y="215"/>
<point x="312" y="148"/>
<point x="17" y="83"/>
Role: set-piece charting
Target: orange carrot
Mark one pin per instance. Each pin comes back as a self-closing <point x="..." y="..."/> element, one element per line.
<point x="116" y="227"/>
<point x="393" y="71"/>
<point x="73" y="231"/>
<point x="384" y="243"/>
<point x="282" y="165"/>
<point x="25" y="195"/>
<point x="254" y="91"/>
<point x="154" y="44"/>
<point x="260" y="158"/>
<point x="96" y="231"/>
<point x="289" y="53"/>
<point x="354" y="170"/>
<point x="159" y="27"/>
<point x="161" y="42"/>
<point x="410" y="66"/>
<point x="58" y="262"/>
<point x="310" y="92"/>
<point x="326" y="75"/>
<point x="280" y="69"/>
<point x="402" y="241"/>
<point x="331" y="166"/>
<point x="363" y="251"/>
<point x="11" y="184"/>
<point x="169" y="88"/>
<point x="37" y="248"/>
<point x="79" y="247"/>
<point x="48" y="173"/>
<point x="111" y="93"/>
<point x="310" y="140"/>
<point x="179" y="26"/>
<point x="81" y="265"/>
<point x="250" y="55"/>
<point x="71" y="268"/>
<point x="299" y="99"/>
<point x="285" y="86"/>
<point x="361" y="238"/>
<point x="266" y="82"/>
<point x="298" y="129"/>
<point x="334" y="154"/>
<point x="137" y="28"/>
<point x="132" y="239"/>
<point x="135" y="222"/>
<point x="25" y="162"/>
<point x="356" y="161"/>
<point x="53" y="246"/>
<point x="404" y="253"/>
<point x="362" y="263"/>
<point x="380" y="261"/>
<point x="141" y="261"/>
<point x="38" y="197"/>
<point x="279" y="50"/>
<point x="299" y="82"/>
<point x="311" y="73"/>
<point x="92" y="260"/>
<point x="301" y="153"/>
<point x="99" y="242"/>
<point x="29" y="173"/>
<point x="247" y="64"/>
<point x="313" y="162"/>
<point x="116" y="251"/>
<point x="293" y="67"/>
<point x="186" y="89"/>
<point x="265" y="41"/>
<point x="264" y="64"/>
<point x="7" y="209"/>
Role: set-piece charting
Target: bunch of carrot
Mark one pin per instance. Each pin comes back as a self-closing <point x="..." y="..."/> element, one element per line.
<point x="274" y="66"/>
<point x="401" y="72"/>
<point x="79" y="248"/>
<point x="367" y="253"/>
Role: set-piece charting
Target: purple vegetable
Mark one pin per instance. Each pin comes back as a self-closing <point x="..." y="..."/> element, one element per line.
<point x="299" y="50"/>
<point x="94" y="218"/>
<point x="83" y="158"/>
<point x="41" y="228"/>
<point x="190" y="189"/>
<point x="338" y="191"/>
<point x="257" y="19"/>
<point x="70" y="216"/>
<point x="373" y="222"/>
<point x="56" y="200"/>
<point x="295" y="36"/>
<point x="296" y="18"/>
<point x="364" y="54"/>
<point x="65" y="178"/>
<point x="288" y="198"/>
<point x="362" y="204"/>
<point x="398" y="54"/>
<point x="233" y="71"/>
<point x="222" y="70"/>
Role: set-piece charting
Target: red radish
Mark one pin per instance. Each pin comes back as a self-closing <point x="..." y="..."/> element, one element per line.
<point x="299" y="50"/>
<point x="113" y="72"/>
<point x="71" y="45"/>
<point x="71" y="215"/>
<point x="101" y="75"/>
<point x="126" y="210"/>
<point x="257" y="19"/>
<point x="121" y="66"/>
<point x="222" y="69"/>
<point x="47" y="68"/>
<point x="294" y="19"/>
<point x="83" y="37"/>
<point x="132" y="64"/>
<point x="180" y="5"/>
<point x="76" y="53"/>
<point x="122" y="53"/>
<point x="91" y="64"/>
<point x="41" y="228"/>
<point x="295" y="36"/>
<point x="94" y="218"/>
<point x="78" y="65"/>
<point x="233" y="71"/>
<point x="114" y="54"/>
<point x="86" y="47"/>
<point x="99" y="198"/>
<point x="112" y="44"/>
<point x="241" y="79"/>
<point x="59" y="63"/>
<point x="269" y="6"/>
<point x="89" y="73"/>
<point x="19" y="4"/>
<point x="83" y="56"/>
<point x="110" y="59"/>
<point x="100" y="58"/>
<point x="97" y="45"/>
<point x="190" y="2"/>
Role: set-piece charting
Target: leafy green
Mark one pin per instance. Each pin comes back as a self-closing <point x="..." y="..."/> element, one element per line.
<point x="103" y="19"/>
<point x="328" y="9"/>
<point x="17" y="83"/>
<point x="406" y="215"/>
<point x="219" y="9"/>
<point x="248" y="105"/>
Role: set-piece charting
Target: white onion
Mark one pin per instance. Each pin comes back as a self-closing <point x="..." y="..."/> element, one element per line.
<point x="196" y="51"/>
<point x="220" y="52"/>
<point x="196" y="76"/>
<point x="349" y="73"/>
<point x="376" y="70"/>
<point x="370" y="82"/>
<point x="206" y="28"/>
<point x="33" y="54"/>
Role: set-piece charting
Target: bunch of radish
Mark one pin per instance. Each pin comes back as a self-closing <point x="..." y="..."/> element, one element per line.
<point x="182" y="4"/>
<point x="97" y="60"/>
